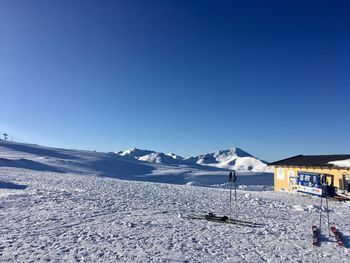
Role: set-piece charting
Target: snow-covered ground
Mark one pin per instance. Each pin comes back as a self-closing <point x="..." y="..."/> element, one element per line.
<point x="57" y="206"/>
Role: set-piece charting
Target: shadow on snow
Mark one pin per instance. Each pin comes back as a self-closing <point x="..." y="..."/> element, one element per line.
<point x="7" y="185"/>
<point x="37" y="150"/>
<point x="28" y="164"/>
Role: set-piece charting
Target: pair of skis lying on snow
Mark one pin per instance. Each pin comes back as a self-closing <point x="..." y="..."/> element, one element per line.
<point x="223" y="219"/>
<point x="316" y="236"/>
<point x="226" y="220"/>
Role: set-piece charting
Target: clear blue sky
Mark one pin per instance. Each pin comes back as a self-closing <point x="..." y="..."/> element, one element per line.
<point x="270" y="77"/>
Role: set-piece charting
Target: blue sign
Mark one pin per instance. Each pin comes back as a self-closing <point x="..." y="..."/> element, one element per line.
<point x="309" y="183"/>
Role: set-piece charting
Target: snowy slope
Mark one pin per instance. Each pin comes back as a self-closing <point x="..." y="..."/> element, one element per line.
<point x="124" y="165"/>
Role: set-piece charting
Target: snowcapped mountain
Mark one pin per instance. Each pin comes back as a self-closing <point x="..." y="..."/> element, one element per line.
<point x="231" y="159"/>
<point x="173" y="155"/>
<point x="151" y="156"/>
<point x="134" y="153"/>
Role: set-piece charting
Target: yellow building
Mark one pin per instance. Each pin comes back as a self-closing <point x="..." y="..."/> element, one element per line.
<point x="287" y="172"/>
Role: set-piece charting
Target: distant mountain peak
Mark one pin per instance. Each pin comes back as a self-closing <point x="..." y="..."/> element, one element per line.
<point x="232" y="159"/>
<point x="134" y="152"/>
<point x="233" y="151"/>
<point x="151" y="156"/>
<point x="175" y="156"/>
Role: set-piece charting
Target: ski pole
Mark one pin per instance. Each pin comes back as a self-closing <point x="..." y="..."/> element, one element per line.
<point x="230" y="180"/>
<point x="320" y="213"/>
<point x="235" y="180"/>
<point x="329" y="231"/>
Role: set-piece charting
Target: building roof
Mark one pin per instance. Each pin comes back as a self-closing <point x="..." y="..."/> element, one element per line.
<point x="312" y="160"/>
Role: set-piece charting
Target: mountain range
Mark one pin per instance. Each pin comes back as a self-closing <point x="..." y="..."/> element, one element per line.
<point x="230" y="159"/>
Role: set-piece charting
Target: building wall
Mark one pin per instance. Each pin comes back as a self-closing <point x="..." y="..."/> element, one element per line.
<point x="285" y="178"/>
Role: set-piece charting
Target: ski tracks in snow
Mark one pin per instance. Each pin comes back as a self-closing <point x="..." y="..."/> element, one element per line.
<point x="75" y="218"/>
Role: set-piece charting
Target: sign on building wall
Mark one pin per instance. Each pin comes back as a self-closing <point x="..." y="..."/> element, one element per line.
<point x="309" y="190"/>
<point x="292" y="179"/>
<point x="280" y="174"/>
<point x="309" y="183"/>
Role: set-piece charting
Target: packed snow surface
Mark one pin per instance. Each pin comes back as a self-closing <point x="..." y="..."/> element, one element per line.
<point x="66" y="206"/>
